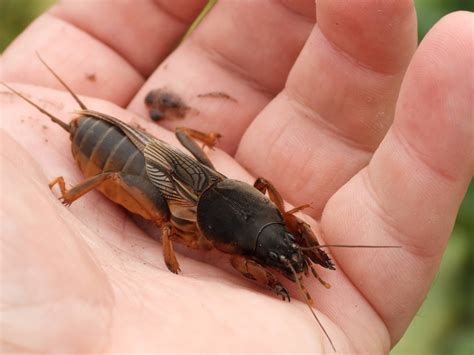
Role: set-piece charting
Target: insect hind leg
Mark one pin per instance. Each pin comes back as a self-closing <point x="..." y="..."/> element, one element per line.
<point x="71" y="195"/>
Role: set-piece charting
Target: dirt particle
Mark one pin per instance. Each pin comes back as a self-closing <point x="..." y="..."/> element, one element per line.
<point x="91" y="77"/>
<point x="165" y="104"/>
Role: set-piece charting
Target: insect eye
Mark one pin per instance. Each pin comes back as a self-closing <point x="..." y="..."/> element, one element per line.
<point x="273" y="255"/>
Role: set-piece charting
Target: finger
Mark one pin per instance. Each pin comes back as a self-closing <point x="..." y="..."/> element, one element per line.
<point x="337" y="103"/>
<point x="101" y="48"/>
<point x="142" y="32"/>
<point x="47" y="269"/>
<point x="242" y="53"/>
<point x="411" y="191"/>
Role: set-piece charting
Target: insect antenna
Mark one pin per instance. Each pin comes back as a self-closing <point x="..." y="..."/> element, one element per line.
<point x="301" y="289"/>
<point x="56" y="120"/>
<point x="350" y="246"/>
<point x="79" y="102"/>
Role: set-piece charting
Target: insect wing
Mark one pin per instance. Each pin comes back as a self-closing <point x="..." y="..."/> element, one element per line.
<point x="138" y="137"/>
<point x="165" y="164"/>
<point x="179" y="177"/>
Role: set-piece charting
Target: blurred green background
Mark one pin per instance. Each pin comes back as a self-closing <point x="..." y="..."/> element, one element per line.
<point x="445" y="322"/>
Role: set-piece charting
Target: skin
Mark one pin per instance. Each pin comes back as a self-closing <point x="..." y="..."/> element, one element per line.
<point x="346" y="114"/>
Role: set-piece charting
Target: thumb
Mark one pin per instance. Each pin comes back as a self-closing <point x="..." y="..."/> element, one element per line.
<point x="411" y="191"/>
<point x="54" y="295"/>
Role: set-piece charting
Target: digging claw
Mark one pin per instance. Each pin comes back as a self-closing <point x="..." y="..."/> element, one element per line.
<point x="282" y="292"/>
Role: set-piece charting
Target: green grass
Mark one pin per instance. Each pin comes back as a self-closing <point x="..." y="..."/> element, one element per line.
<point x="15" y="15"/>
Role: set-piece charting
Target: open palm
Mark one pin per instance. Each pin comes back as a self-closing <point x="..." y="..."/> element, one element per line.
<point x="322" y="104"/>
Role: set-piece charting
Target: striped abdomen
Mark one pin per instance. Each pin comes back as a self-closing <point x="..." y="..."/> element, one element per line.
<point x="99" y="146"/>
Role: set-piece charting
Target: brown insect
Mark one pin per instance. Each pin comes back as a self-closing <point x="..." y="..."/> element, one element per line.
<point x="190" y="201"/>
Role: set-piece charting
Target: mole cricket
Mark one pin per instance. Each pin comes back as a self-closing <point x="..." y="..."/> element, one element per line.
<point x="190" y="201"/>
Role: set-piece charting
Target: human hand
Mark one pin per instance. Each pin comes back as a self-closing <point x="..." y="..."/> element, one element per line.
<point x="317" y="123"/>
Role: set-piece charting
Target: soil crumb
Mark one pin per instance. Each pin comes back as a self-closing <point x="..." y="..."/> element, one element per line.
<point x="165" y="104"/>
<point x="91" y="77"/>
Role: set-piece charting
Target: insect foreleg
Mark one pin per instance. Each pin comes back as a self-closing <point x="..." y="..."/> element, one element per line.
<point x="186" y="136"/>
<point x="263" y="185"/>
<point x="306" y="238"/>
<point x="254" y="271"/>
